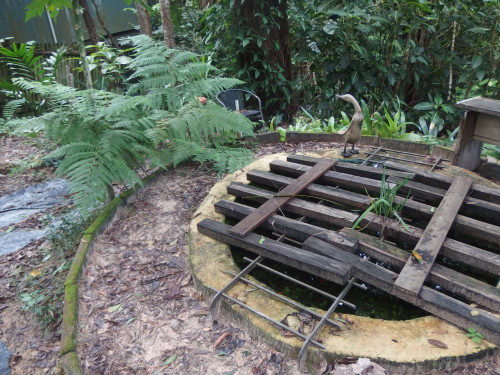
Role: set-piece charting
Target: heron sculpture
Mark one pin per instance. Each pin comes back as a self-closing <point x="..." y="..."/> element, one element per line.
<point x="353" y="133"/>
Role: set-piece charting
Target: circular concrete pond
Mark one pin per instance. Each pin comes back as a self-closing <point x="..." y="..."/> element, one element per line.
<point x="402" y="345"/>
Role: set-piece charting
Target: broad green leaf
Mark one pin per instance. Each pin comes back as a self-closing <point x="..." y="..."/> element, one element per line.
<point x="115" y="308"/>
<point x="476" y="61"/>
<point x="479" y="30"/>
<point x="425" y="106"/>
<point x="170" y="360"/>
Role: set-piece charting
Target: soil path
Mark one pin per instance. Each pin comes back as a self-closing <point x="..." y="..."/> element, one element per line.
<point x="140" y="312"/>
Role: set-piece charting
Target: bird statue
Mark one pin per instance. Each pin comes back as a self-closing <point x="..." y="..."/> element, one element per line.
<point x="353" y="133"/>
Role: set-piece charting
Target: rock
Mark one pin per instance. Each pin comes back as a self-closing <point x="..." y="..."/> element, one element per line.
<point x="489" y="170"/>
<point x="4" y="359"/>
<point x="18" y="239"/>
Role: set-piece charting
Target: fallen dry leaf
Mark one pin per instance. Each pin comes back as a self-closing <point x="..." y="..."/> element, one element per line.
<point x="441" y="331"/>
<point x="438" y="344"/>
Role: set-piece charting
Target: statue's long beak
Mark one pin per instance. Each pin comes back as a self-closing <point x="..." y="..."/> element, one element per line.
<point x="338" y="96"/>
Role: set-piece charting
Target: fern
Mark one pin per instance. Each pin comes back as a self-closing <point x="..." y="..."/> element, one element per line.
<point x="12" y="107"/>
<point x="106" y="137"/>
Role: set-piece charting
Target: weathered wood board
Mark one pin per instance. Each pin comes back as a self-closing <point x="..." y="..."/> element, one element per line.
<point x="324" y="267"/>
<point x="286" y="195"/>
<point x="463" y="224"/>
<point x="450" y="208"/>
<point x="412" y="277"/>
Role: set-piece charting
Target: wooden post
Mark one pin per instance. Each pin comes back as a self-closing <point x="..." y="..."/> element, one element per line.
<point x="467" y="150"/>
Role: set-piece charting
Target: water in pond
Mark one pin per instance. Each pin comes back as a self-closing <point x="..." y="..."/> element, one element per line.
<point x="372" y="302"/>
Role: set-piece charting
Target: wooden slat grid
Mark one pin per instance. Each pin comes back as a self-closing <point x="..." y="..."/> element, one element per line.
<point x="332" y="252"/>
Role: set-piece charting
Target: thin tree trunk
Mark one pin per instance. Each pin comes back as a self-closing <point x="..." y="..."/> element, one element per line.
<point x="144" y="19"/>
<point x="89" y="22"/>
<point x="166" y="20"/>
<point x="274" y="51"/>
<point x="202" y="4"/>
<point x="100" y="17"/>
<point x="81" y="43"/>
<point x="450" y="80"/>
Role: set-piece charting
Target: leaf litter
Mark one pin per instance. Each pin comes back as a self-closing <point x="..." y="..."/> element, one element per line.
<point x="143" y="246"/>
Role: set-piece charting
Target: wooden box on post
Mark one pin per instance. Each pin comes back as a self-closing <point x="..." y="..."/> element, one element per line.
<point x="480" y="123"/>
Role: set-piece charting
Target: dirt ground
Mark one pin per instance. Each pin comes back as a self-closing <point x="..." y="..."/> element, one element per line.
<point x="139" y="310"/>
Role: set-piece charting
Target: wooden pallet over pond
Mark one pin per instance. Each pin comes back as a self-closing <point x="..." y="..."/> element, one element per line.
<point x="446" y="260"/>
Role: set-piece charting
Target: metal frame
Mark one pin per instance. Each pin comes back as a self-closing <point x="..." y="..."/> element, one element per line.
<point x="240" y="101"/>
<point x="257" y="262"/>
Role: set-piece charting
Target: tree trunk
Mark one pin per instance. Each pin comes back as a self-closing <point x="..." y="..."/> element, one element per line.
<point x="202" y="4"/>
<point x="100" y="17"/>
<point x="76" y="10"/>
<point x="270" y="56"/>
<point x="166" y="20"/>
<point x="144" y="20"/>
<point x="89" y="22"/>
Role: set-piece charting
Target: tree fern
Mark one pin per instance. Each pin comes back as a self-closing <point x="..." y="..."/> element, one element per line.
<point x="105" y="137"/>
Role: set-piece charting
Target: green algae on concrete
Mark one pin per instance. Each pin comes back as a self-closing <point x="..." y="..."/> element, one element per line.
<point x="394" y="344"/>
<point x="70" y="319"/>
<point x="71" y="364"/>
<point x="69" y="358"/>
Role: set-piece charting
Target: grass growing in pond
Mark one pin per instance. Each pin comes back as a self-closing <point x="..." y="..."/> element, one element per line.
<point x="385" y="204"/>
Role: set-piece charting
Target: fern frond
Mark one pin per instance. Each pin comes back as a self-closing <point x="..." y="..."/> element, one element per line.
<point x="207" y="123"/>
<point x="224" y="159"/>
<point x="12" y="107"/>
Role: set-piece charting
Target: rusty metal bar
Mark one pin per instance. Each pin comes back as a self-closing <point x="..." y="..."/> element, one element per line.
<point x="371" y="156"/>
<point x="297" y="333"/>
<point x="436" y="163"/>
<point x="285" y="299"/>
<point x="305" y="285"/>
<point x="404" y="152"/>
<point x="305" y="345"/>
<point x="406" y="160"/>
<point x="233" y="282"/>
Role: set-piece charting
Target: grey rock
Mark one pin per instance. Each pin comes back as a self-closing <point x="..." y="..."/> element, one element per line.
<point x="18" y="206"/>
<point x="4" y="359"/>
<point x="18" y="239"/>
<point x="489" y="170"/>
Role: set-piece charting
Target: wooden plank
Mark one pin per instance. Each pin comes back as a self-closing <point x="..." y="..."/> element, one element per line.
<point x="345" y="180"/>
<point x="488" y="128"/>
<point x="467" y="149"/>
<point x="450" y="280"/>
<point x="437" y="303"/>
<point x="488" y="212"/>
<point x="286" y="195"/>
<point x="481" y="105"/>
<point x="467" y="254"/>
<point x="294" y="229"/>
<point x="296" y="206"/>
<point x="478" y="191"/>
<point x="324" y="267"/>
<point x="412" y="277"/>
<point x="473" y="256"/>
<point x="350" y="168"/>
<point x="473" y="228"/>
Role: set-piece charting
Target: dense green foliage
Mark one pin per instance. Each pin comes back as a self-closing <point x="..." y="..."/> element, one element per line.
<point x="105" y="137"/>
<point x="420" y="56"/>
<point x="21" y="61"/>
<point x="418" y="51"/>
<point x="37" y="7"/>
<point x="254" y="35"/>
